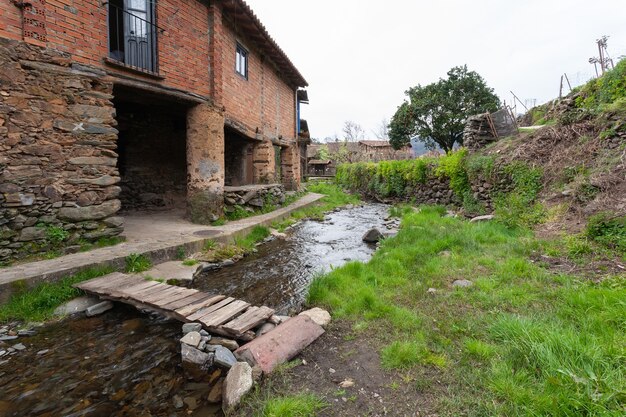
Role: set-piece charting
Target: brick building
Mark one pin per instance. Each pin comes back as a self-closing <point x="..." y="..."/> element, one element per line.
<point x="118" y="105"/>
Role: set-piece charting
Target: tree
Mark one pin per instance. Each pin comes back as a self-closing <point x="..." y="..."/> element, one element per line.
<point x="353" y="132"/>
<point x="436" y="113"/>
<point x="382" y="131"/>
<point x="323" y="153"/>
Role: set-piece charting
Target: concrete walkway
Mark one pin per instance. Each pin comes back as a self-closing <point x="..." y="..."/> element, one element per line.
<point x="157" y="236"/>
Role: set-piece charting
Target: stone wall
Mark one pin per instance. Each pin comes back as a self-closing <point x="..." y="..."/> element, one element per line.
<point x="253" y="197"/>
<point x="58" y="161"/>
<point x="477" y="133"/>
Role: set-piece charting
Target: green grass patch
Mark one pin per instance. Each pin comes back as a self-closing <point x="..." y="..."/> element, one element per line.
<point x="522" y="341"/>
<point x="38" y="304"/>
<point x="300" y="405"/>
<point x="257" y="234"/>
<point x="190" y="262"/>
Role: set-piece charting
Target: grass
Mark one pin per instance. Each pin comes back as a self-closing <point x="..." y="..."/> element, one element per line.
<point x="301" y="405"/>
<point x="38" y="304"/>
<point x="523" y="341"/>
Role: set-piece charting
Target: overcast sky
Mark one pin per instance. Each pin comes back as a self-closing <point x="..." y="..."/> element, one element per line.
<point x="360" y="56"/>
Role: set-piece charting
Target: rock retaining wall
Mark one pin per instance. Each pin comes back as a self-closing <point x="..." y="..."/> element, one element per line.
<point x="253" y="197"/>
<point x="58" y="175"/>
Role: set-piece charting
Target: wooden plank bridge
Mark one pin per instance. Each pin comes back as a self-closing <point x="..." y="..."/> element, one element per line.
<point x="217" y="313"/>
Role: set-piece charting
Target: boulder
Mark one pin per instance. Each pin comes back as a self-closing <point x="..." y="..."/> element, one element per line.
<point x="224" y="357"/>
<point x="215" y="395"/>
<point x="192" y="327"/>
<point x="195" y="362"/>
<point x="318" y="315"/>
<point x="227" y="343"/>
<point x="77" y="305"/>
<point x="99" y="308"/>
<point x="281" y="344"/>
<point x="462" y="283"/>
<point x="372" y="236"/>
<point x="192" y="339"/>
<point x="237" y="384"/>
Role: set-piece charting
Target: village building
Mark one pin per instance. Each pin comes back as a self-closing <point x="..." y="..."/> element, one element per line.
<point x="109" y="107"/>
<point x="323" y="158"/>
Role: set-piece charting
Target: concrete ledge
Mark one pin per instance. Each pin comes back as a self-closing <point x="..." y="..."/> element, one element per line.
<point x="157" y="250"/>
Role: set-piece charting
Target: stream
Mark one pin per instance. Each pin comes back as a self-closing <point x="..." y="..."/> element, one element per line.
<point x="128" y="364"/>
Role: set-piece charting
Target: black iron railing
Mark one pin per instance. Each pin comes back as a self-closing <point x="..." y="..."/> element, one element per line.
<point x="133" y="39"/>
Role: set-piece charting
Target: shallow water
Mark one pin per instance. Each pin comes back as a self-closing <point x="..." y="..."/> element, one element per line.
<point x="128" y="364"/>
<point x="279" y="274"/>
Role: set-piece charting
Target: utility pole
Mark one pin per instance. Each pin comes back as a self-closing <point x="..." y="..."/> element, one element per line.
<point x="604" y="59"/>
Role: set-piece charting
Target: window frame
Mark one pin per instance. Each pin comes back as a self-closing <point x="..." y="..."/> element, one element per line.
<point x="241" y="53"/>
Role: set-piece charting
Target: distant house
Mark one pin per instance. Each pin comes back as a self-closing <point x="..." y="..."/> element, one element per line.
<point x="381" y="150"/>
<point x="325" y="157"/>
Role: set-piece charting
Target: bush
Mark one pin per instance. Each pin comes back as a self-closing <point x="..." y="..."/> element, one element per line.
<point x="609" y="230"/>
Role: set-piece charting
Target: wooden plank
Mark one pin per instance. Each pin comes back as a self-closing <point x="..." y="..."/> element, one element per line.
<point x="185" y="302"/>
<point x="179" y="294"/>
<point x="144" y="294"/>
<point x="126" y="292"/>
<point x="189" y="309"/>
<point x="224" y="314"/>
<point x="175" y="294"/>
<point x="208" y="310"/>
<point x="249" y="320"/>
<point x="103" y="282"/>
<point x="165" y="293"/>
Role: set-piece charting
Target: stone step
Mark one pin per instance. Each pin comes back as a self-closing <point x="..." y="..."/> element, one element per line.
<point x="280" y="344"/>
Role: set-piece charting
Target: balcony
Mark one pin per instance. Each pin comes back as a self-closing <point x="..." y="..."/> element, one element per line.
<point x="133" y="36"/>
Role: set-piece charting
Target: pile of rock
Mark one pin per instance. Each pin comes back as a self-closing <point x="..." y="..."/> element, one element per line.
<point x="253" y="197"/>
<point x="231" y="370"/>
<point x="477" y="133"/>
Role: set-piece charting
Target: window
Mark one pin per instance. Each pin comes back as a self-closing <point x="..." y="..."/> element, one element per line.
<point x="133" y="33"/>
<point x="241" y="61"/>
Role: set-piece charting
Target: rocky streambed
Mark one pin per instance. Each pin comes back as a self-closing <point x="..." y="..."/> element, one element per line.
<point x="128" y="363"/>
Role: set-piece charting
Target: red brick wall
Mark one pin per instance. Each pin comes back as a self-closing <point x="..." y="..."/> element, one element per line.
<point x="264" y="100"/>
<point x="79" y="27"/>
<point x="186" y="57"/>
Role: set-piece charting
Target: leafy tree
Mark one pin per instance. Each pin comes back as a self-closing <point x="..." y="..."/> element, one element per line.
<point x="323" y="152"/>
<point x="437" y="112"/>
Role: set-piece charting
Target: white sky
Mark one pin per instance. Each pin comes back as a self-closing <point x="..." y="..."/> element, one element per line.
<point x="360" y="56"/>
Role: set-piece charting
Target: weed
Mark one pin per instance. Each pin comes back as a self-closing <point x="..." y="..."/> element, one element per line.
<point x="609" y="230"/>
<point x="190" y="262"/>
<point x="180" y="253"/>
<point x="137" y="263"/>
<point x="209" y="245"/>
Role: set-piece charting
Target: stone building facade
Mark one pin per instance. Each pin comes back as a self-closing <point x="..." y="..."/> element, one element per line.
<point x="108" y="107"/>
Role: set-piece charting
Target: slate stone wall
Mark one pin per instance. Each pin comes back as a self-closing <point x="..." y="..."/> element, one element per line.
<point x="58" y="174"/>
